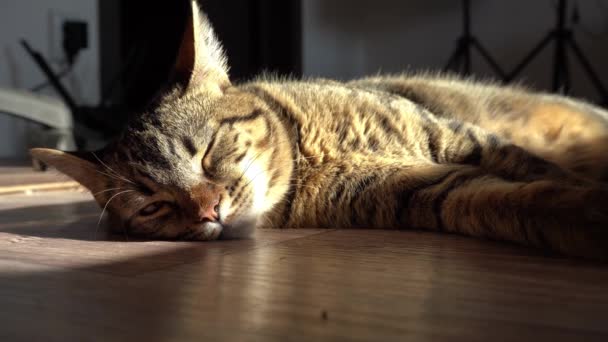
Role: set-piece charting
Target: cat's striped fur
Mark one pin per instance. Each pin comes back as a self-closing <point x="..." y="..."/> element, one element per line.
<point x="404" y="151"/>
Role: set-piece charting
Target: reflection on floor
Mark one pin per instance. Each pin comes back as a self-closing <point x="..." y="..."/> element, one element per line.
<point x="61" y="278"/>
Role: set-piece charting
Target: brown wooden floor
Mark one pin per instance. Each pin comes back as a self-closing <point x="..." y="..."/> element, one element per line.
<point x="19" y="176"/>
<point x="61" y="279"/>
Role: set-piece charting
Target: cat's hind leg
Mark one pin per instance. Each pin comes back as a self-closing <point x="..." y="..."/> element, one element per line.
<point x="549" y="214"/>
<point x="571" y="134"/>
<point x="454" y="142"/>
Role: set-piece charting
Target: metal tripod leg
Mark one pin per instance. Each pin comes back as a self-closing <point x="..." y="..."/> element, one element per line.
<point x="588" y="69"/>
<point x="484" y="53"/>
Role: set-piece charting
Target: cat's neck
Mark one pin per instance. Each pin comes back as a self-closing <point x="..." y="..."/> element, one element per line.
<point x="285" y="153"/>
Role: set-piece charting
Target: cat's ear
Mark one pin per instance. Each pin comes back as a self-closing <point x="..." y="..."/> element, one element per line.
<point x="74" y="165"/>
<point x="201" y="64"/>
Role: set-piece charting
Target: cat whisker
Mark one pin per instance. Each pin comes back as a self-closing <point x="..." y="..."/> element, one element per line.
<point x="257" y="156"/>
<point x="105" y="165"/>
<point x="106" y="190"/>
<point x="105" y="207"/>
<point x="116" y="174"/>
<point x="254" y="177"/>
<point x="128" y="204"/>
<point x="251" y="163"/>
<point x="108" y="175"/>
<point x="259" y="173"/>
<point x="299" y="184"/>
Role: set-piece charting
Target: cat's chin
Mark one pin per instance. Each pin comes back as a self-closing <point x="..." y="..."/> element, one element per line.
<point x="207" y="231"/>
<point x="243" y="229"/>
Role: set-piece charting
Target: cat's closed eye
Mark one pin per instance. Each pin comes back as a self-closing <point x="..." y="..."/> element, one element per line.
<point x="154" y="208"/>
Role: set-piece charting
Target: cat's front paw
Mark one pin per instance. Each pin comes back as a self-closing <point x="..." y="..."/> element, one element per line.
<point x="243" y="229"/>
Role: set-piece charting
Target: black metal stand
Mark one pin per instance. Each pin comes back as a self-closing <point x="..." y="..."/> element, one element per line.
<point x="52" y="78"/>
<point x="106" y="120"/>
<point x="460" y="61"/>
<point x="564" y="39"/>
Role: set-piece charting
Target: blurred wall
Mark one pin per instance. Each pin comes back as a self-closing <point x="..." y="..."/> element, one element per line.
<point x="349" y="38"/>
<point x="39" y="22"/>
<point x="341" y="39"/>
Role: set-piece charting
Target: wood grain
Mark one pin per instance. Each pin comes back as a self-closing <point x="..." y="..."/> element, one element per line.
<point x="60" y="280"/>
<point x="23" y="179"/>
<point x="11" y="175"/>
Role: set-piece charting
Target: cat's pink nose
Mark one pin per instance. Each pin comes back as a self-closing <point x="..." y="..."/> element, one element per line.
<point x="203" y="203"/>
<point x="209" y="212"/>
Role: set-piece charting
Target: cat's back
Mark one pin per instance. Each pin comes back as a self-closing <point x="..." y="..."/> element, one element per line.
<point x="477" y="101"/>
<point x="513" y="112"/>
<point x="337" y="120"/>
<point x="568" y="131"/>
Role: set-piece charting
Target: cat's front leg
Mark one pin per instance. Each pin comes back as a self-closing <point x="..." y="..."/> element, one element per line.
<point x="569" y="219"/>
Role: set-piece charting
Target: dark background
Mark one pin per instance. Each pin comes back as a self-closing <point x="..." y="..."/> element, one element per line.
<point x="257" y="35"/>
<point x="132" y="45"/>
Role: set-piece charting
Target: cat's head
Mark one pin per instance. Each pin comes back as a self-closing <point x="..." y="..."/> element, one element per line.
<point x="207" y="159"/>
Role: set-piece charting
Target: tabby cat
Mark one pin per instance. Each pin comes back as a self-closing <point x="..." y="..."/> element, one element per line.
<point x="213" y="159"/>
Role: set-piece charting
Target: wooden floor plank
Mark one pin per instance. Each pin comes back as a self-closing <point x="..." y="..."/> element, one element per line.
<point x="11" y="175"/>
<point x="59" y="283"/>
<point x="63" y="229"/>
